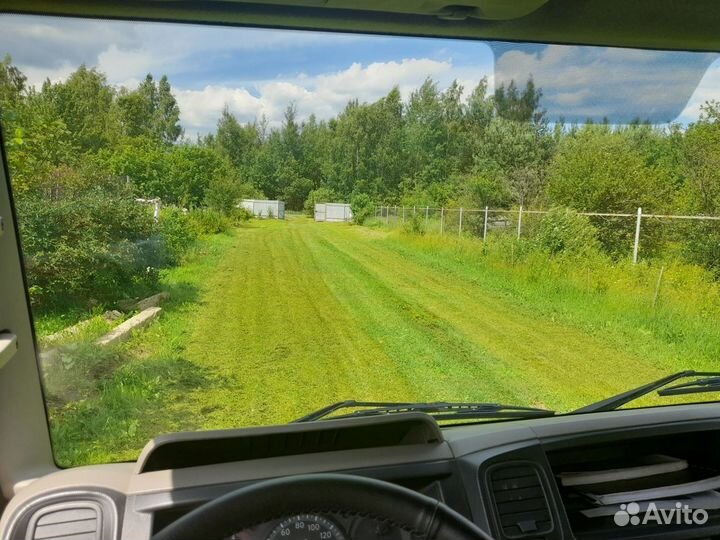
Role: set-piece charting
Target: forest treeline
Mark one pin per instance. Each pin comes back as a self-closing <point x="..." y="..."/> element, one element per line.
<point x="439" y="147"/>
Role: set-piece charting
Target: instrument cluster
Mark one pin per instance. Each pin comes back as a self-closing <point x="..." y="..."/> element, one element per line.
<point x="323" y="527"/>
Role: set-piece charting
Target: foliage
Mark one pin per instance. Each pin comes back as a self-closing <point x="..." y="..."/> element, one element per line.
<point x="319" y="195"/>
<point x="223" y="194"/>
<point x="88" y="248"/>
<point x="414" y="225"/>
<point x="563" y="231"/>
<point x="209" y="221"/>
<point x="451" y="146"/>
<point x="176" y="232"/>
<point x="596" y="169"/>
<point x="362" y="208"/>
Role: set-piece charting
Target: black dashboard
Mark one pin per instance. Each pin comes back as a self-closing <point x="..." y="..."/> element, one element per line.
<point x="506" y="477"/>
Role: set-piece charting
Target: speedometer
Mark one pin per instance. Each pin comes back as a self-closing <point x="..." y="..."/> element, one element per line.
<point x="306" y="527"/>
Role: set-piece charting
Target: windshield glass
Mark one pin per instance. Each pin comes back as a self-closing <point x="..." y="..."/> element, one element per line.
<point x="228" y="227"/>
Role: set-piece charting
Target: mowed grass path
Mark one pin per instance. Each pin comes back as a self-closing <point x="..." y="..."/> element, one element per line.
<point x="298" y="314"/>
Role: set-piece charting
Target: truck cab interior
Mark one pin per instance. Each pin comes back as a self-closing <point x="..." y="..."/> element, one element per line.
<point x="440" y="470"/>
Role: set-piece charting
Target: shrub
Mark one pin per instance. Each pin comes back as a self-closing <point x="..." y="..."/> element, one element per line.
<point x="701" y="244"/>
<point x="564" y="231"/>
<point x="86" y="249"/>
<point x="208" y="221"/>
<point x="223" y="194"/>
<point x="319" y="195"/>
<point x="362" y="208"/>
<point x="176" y="233"/>
<point x="414" y="225"/>
<point x="240" y="215"/>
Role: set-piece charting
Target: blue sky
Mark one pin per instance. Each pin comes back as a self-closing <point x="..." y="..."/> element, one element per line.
<point x="259" y="72"/>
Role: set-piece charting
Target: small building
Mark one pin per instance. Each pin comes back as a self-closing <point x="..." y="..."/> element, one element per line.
<point x="333" y="212"/>
<point x="264" y="209"/>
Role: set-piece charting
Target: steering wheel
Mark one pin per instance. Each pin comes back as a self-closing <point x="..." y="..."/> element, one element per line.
<point x="320" y="494"/>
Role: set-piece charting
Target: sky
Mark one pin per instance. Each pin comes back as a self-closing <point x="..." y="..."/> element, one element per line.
<point x="259" y="72"/>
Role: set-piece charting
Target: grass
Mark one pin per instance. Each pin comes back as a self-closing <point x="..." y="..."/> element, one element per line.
<point x="279" y="318"/>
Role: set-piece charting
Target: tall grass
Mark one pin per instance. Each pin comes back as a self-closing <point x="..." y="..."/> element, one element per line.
<point x="614" y="298"/>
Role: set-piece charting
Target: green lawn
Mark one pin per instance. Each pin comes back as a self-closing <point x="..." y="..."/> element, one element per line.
<point x="279" y="318"/>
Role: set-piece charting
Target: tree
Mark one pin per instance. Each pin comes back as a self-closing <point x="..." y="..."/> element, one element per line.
<point x="517" y="106"/>
<point x="150" y="111"/>
<point x="84" y="103"/>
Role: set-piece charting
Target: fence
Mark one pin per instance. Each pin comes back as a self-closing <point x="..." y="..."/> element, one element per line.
<point x="482" y="221"/>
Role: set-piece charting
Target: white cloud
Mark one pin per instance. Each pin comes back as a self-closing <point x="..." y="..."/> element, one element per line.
<point x="324" y="95"/>
<point x="621" y="84"/>
<point x="708" y="89"/>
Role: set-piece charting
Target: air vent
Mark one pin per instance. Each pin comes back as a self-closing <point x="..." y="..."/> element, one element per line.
<point x="521" y="503"/>
<point x="77" y="520"/>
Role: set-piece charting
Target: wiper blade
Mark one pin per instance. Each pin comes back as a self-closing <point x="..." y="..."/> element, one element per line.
<point x="615" y="402"/>
<point x="709" y="384"/>
<point x="440" y="410"/>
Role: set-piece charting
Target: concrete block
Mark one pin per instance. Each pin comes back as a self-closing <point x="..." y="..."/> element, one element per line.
<point x="124" y="330"/>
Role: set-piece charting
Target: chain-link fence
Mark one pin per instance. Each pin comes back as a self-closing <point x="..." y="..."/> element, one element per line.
<point x="695" y="237"/>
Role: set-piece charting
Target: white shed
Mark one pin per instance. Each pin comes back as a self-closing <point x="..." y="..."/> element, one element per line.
<point x="260" y="208"/>
<point x="333" y="212"/>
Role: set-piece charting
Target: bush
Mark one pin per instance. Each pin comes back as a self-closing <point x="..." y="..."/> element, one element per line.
<point x="319" y="195"/>
<point x="701" y="244"/>
<point x="91" y="248"/>
<point x="223" y="194"/>
<point x="414" y="225"/>
<point x="176" y="233"/>
<point x="564" y="231"/>
<point x="240" y="215"/>
<point x="362" y="208"/>
<point x="208" y="221"/>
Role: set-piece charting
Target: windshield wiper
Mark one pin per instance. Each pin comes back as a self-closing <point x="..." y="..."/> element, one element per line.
<point x="440" y="410"/>
<point x="709" y="384"/>
<point x="702" y="385"/>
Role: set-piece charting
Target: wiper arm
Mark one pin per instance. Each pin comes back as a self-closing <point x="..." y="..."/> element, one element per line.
<point x="615" y="402"/>
<point x="440" y="410"/>
<point x="709" y="384"/>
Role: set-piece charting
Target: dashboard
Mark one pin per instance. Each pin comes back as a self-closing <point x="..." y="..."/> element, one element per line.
<point x="503" y="476"/>
<point x="322" y="527"/>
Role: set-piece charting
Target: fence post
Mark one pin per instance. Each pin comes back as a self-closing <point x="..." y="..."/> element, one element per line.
<point x="485" y="224"/>
<point x="387" y="215"/>
<point x="427" y="208"/>
<point x="403" y="218"/>
<point x="442" y="219"/>
<point x="657" y="286"/>
<point x="413" y="211"/>
<point x="637" y="236"/>
<point x="156" y="212"/>
<point x="519" y="221"/>
<point x="460" y="224"/>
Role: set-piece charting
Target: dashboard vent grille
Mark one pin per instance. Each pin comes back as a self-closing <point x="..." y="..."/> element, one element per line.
<point x="78" y="520"/>
<point x="521" y="503"/>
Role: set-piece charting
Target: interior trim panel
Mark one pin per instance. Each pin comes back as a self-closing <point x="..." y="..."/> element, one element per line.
<point x="468" y="467"/>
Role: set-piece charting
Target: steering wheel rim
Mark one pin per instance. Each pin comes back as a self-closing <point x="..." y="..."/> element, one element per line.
<point x="322" y="494"/>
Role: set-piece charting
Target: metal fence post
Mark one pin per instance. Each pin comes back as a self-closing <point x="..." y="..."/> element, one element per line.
<point x="637" y="236"/>
<point x="413" y="211"/>
<point x="519" y="221"/>
<point x="387" y="215"/>
<point x="427" y="208"/>
<point x="485" y="224"/>
<point x="442" y="219"/>
<point x="460" y="224"/>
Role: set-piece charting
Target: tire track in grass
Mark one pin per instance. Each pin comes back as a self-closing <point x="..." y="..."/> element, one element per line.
<point x="551" y="364"/>
<point x="441" y="363"/>
<point x="273" y="329"/>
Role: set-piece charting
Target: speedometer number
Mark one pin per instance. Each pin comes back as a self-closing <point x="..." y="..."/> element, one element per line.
<point x="306" y="527"/>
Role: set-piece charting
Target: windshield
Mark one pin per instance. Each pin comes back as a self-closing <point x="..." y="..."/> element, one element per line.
<point x="229" y="227"/>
